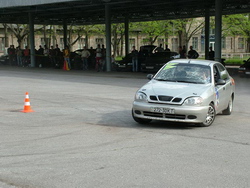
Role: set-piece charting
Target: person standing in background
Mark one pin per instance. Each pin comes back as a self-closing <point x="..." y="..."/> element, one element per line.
<point x="211" y="53"/>
<point x="66" y="55"/>
<point x="19" y="55"/>
<point x="134" y="54"/>
<point x="192" y="54"/>
<point x="85" y="55"/>
<point x="98" y="58"/>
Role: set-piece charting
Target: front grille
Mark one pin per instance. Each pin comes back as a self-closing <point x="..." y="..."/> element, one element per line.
<point x="153" y="114"/>
<point x="177" y="100"/>
<point x="161" y="115"/>
<point x="153" y="98"/>
<point x="175" y="116"/>
<point x="165" y="98"/>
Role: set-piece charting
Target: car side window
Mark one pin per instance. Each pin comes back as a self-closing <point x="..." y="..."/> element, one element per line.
<point x="223" y="72"/>
<point x="216" y="74"/>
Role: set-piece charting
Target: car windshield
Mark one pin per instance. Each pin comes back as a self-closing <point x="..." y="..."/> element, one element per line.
<point x="185" y="72"/>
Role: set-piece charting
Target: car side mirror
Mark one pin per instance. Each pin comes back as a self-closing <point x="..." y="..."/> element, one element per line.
<point x="150" y="76"/>
<point x="221" y="82"/>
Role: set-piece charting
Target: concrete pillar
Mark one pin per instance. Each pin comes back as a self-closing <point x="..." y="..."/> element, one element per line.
<point x="108" y="37"/>
<point x="65" y="36"/>
<point x="6" y="39"/>
<point x="32" y="40"/>
<point x="218" y="22"/>
<point x="207" y="33"/>
<point x="54" y="36"/>
<point x="127" y="50"/>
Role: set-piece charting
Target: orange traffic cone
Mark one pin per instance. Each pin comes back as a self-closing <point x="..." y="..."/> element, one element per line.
<point x="27" y="108"/>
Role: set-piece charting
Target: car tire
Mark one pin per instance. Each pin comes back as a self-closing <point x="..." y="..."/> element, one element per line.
<point x="210" y="117"/>
<point x="140" y="120"/>
<point x="229" y="108"/>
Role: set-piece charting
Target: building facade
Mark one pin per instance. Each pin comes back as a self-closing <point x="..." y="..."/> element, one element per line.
<point x="231" y="45"/>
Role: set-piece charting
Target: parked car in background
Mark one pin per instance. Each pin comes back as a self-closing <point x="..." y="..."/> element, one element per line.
<point x="126" y="63"/>
<point x="244" y="70"/>
<point x="4" y="59"/>
<point x="76" y="60"/>
<point x="76" y="52"/>
<point x="147" y="49"/>
<point x="184" y="90"/>
<point x="156" y="60"/>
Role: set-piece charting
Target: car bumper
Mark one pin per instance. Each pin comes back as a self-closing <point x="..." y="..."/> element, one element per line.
<point x="188" y="114"/>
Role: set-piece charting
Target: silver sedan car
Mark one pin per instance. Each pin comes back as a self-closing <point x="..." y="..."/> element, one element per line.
<point x="184" y="90"/>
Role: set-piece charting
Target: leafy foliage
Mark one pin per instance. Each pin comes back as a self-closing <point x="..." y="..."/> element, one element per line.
<point x="152" y="29"/>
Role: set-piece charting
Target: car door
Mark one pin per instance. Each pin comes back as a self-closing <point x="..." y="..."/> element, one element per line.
<point x="223" y="92"/>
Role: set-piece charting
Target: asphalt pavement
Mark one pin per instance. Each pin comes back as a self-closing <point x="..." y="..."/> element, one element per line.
<point x="81" y="134"/>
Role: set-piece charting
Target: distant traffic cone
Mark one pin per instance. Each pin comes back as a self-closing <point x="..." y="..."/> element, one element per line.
<point x="27" y="108"/>
<point x="64" y="65"/>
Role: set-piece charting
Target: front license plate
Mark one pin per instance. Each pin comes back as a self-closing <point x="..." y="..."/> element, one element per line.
<point x="247" y="72"/>
<point x="149" y="67"/>
<point x="162" y="110"/>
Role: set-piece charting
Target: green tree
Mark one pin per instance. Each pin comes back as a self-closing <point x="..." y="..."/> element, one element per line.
<point x="117" y="35"/>
<point x="152" y="29"/>
<point x="187" y="28"/>
<point x="238" y="24"/>
<point x="20" y="31"/>
<point x="75" y="33"/>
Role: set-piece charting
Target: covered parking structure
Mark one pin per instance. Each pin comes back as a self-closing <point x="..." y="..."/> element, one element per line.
<point x="82" y="12"/>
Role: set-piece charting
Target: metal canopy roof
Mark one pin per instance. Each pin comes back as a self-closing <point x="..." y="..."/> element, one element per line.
<point x="83" y="12"/>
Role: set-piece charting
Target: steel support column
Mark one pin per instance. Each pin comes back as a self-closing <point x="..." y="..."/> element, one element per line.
<point x="218" y="22"/>
<point x="207" y="34"/>
<point x="65" y="36"/>
<point x="32" y="40"/>
<point x="108" y="37"/>
<point x="126" y="35"/>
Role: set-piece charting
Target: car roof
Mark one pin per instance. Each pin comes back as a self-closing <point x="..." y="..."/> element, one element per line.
<point x="194" y="61"/>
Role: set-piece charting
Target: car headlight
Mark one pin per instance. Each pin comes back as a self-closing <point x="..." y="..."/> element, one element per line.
<point x="193" y="101"/>
<point x="139" y="96"/>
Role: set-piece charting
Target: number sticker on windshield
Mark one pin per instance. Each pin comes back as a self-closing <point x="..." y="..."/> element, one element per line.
<point x="170" y="66"/>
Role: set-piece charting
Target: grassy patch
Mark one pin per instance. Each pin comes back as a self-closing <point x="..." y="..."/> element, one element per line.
<point x="118" y="58"/>
<point x="236" y="61"/>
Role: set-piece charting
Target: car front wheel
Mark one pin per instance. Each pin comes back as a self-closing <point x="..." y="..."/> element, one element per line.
<point x="210" y="116"/>
<point x="140" y="120"/>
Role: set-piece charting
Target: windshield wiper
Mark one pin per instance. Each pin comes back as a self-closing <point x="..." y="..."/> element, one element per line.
<point x="165" y="80"/>
<point x="184" y="81"/>
<point x="192" y="82"/>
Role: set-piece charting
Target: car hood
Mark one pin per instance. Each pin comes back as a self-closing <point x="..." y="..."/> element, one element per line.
<point x="175" y="89"/>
